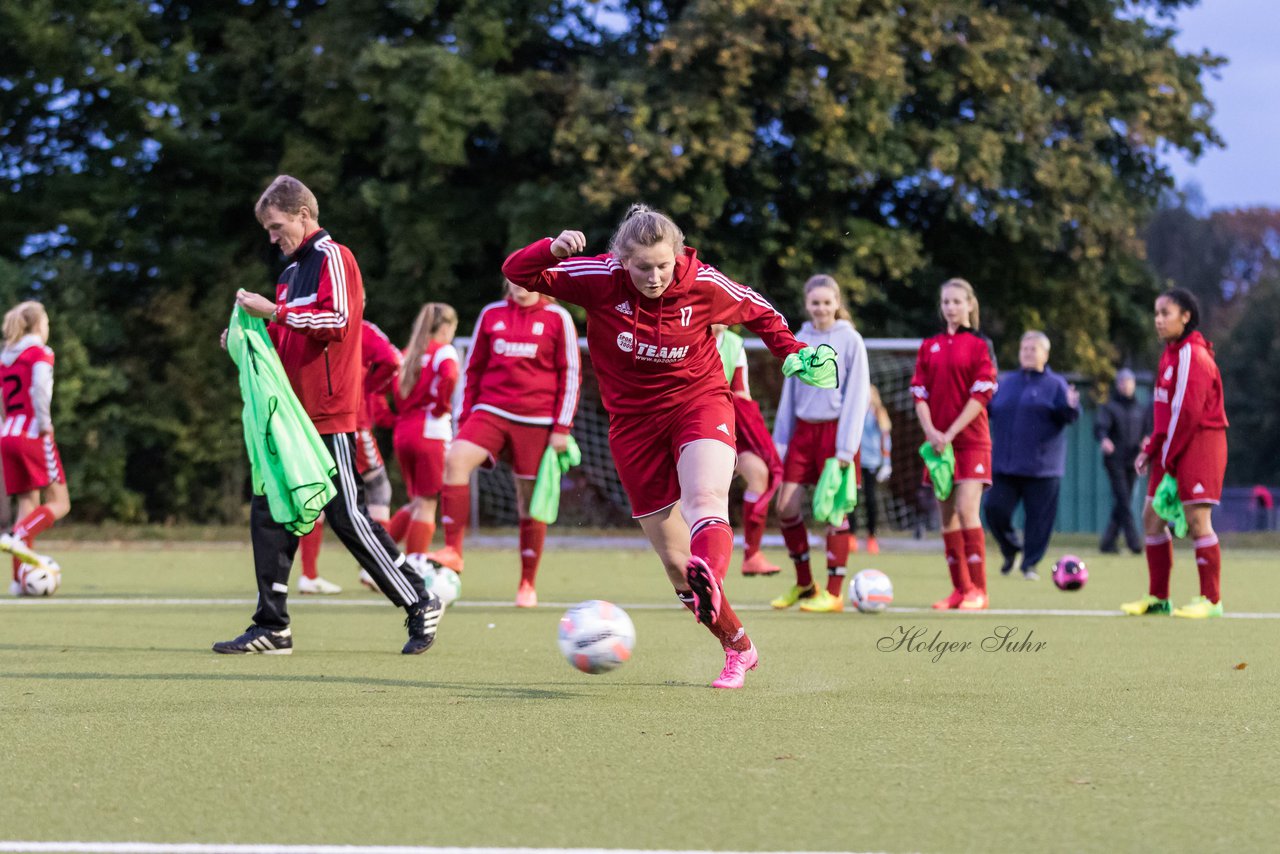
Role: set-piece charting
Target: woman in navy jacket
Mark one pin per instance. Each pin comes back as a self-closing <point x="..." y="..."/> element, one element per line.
<point x="1029" y="415"/>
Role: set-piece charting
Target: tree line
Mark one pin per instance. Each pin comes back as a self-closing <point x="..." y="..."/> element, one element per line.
<point x="892" y="143"/>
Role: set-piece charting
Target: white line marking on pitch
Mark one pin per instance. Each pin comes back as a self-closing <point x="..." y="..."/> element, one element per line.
<point x="630" y="606"/>
<point x="202" y="848"/>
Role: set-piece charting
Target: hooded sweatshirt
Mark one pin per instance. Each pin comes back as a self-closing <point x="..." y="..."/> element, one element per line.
<point x="847" y="403"/>
<point x="26" y="371"/>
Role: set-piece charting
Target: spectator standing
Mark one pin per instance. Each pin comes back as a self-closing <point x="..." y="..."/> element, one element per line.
<point x="1120" y="428"/>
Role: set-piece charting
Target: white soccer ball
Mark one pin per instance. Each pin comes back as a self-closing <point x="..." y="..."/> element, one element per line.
<point x="596" y="636"/>
<point x="446" y="584"/>
<point x="871" y="591"/>
<point x="39" y="581"/>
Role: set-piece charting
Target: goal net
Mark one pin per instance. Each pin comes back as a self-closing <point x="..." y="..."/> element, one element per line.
<point x="593" y="497"/>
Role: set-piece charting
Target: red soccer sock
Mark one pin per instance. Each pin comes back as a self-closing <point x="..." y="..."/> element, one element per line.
<point x="309" y="549"/>
<point x="17" y="569"/>
<point x="398" y="527"/>
<point x="1209" y="565"/>
<point x="754" y="514"/>
<point x="953" y="545"/>
<point x="455" y="513"/>
<point x="533" y="535"/>
<point x="711" y="539"/>
<point x="34" y="524"/>
<point x="418" y="540"/>
<point x="796" y="537"/>
<point x="837" y="559"/>
<point x="728" y="628"/>
<point x="975" y="557"/>
<point x="1159" y="564"/>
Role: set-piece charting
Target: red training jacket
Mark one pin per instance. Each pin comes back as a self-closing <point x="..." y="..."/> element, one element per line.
<point x="951" y="370"/>
<point x="1186" y="400"/>
<point x="319" y="301"/>
<point x="651" y="354"/>
<point x="524" y="364"/>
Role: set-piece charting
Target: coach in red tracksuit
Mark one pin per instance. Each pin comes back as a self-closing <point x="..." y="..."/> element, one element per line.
<point x="315" y="323"/>
<point x="650" y="306"/>
<point x="1189" y="441"/>
<point x="954" y="380"/>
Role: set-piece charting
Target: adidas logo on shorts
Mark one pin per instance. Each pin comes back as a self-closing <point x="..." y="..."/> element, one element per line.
<point x="723" y="428"/>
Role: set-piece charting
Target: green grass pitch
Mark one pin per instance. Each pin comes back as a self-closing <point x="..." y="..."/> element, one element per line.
<point x="1119" y="734"/>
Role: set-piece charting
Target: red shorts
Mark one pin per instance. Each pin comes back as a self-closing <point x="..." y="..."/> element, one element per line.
<point x="368" y="457"/>
<point x="647" y="447"/>
<point x="1200" y="469"/>
<point x="971" y="464"/>
<point x="812" y="444"/>
<point x="524" y="443"/>
<point x="421" y="460"/>
<point x="30" y="463"/>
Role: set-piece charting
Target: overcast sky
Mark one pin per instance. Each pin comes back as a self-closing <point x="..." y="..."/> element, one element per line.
<point x="1246" y="97"/>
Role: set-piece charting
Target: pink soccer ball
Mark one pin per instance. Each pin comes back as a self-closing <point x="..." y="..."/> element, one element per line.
<point x="1070" y="573"/>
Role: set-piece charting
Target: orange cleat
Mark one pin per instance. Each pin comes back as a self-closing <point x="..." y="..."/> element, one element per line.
<point x="873" y="548"/>
<point x="974" y="600"/>
<point x="950" y="603"/>
<point x="446" y="557"/>
<point x="853" y="544"/>
<point x="526" y="596"/>
<point x="758" y="564"/>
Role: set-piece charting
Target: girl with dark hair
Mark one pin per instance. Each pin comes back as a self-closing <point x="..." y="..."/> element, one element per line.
<point x="1188" y="441"/>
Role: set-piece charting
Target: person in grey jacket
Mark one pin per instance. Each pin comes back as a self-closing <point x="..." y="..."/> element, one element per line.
<point x="812" y="426"/>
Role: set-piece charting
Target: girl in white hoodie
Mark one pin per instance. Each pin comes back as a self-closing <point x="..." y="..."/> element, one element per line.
<point x="812" y="426"/>
<point x="29" y="454"/>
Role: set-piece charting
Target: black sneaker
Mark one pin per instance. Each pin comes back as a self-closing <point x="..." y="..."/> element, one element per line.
<point x="422" y="622"/>
<point x="257" y="640"/>
<point x="1007" y="566"/>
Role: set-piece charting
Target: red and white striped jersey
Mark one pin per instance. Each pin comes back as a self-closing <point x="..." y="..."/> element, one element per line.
<point x="26" y="379"/>
<point x="524" y="364"/>
<point x="430" y="399"/>
<point x="1187" y="398"/>
<point x="951" y="370"/>
<point x="651" y="354"/>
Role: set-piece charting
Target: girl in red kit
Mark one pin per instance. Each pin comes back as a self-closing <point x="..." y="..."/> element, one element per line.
<point x="650" y="305"/>
<point x="954" y="380"/>
<point x="29" y="454"/>
<point x="424" y="425"/>
<point x="521" y="394"/>
<point x="1189" y="441"/>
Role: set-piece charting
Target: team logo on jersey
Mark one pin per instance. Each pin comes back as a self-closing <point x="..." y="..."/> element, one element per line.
<point x="538" y="327"/>
<point x="1160" y="395"/>
<point x="936" y="348"/>
<point x="1168" y="373"/>
<point x="624" y="307"/>
<point x="626" y="342"/>
<point x="499" y="326"/>
<point x="515" y="349"/>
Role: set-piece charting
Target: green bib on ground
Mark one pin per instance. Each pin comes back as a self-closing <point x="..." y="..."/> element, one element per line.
<point x="1169" y="507"/>
<point x="815" y="367"/>
<point x="291" y="465"/>
<point x="545" y="503"/>
<point x="942" y="469"/>
<point x="836" y="494"/>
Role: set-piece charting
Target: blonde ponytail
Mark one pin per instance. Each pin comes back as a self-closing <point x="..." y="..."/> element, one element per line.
<point x="431" y="317"/>
<point x="22" y="320"/>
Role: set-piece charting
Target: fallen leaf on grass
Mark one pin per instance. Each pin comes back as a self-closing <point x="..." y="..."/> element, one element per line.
<point x="1242" y="665"/>
<point x="786" y="756"/>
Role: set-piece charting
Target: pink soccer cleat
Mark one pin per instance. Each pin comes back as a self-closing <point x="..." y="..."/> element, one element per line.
<point x="706" y="591"/>
<point x="736" y="665"/>
<point x="526" y="596"/>
<point x="950" y="603"/>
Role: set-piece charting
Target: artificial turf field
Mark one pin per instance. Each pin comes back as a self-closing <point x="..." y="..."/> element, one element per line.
<point x="1120" y="734"/>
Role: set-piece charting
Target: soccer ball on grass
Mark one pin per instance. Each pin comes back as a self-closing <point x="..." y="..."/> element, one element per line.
<point x="871" y="591"/>
<point x="1070" y="573"/>
<point x="41" y="580"/>
<point x="596" y="636"/>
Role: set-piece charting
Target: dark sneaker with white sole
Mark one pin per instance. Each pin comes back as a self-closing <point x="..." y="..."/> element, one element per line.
<point x="258" y="641"/>
<point x="423" y="619"/>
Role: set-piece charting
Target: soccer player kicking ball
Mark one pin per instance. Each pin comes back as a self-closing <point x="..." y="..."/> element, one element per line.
<point x="650" y="304"/>
<point x="1188" y="441"/>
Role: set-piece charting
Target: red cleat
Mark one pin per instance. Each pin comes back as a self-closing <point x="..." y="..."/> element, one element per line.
<point x="950" y="603"/>
<point x="758" y="564"/>
<point x="446" y="557"/>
